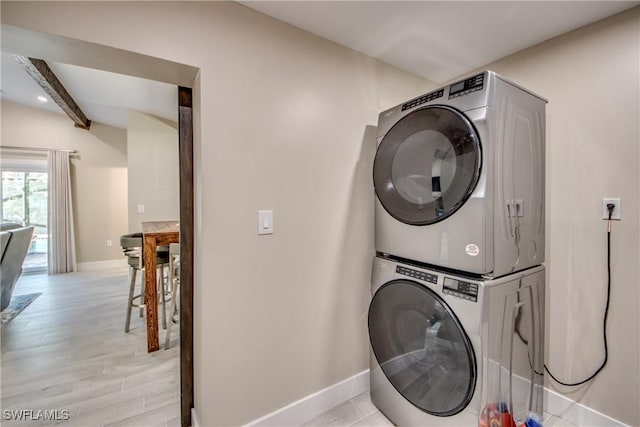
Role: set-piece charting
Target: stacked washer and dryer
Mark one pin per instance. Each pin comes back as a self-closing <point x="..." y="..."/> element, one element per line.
<point x="456" y="319"/>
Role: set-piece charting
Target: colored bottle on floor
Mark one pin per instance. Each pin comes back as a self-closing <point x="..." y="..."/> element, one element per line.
<point x="496" y="415"/>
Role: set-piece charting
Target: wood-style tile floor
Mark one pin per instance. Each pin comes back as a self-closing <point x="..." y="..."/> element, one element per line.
<point x="360" y="412"/>
<point x="68" y="352"/>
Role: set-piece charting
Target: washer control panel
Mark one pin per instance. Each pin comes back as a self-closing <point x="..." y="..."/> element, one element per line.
<point x="460" y="289"/>
<point x="464" y="87"/>
<point x="416" y="274"/>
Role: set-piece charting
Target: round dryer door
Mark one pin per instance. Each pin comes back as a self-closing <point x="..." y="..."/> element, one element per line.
<point x="427" y="165"/>
<point x="422" y="348"/>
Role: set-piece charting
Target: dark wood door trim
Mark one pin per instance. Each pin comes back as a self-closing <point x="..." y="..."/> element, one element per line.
<point x="185" y="151"/>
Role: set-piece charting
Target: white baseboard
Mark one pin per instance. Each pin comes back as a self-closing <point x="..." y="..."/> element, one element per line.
<point x="562" y="407"/>
<point x="194" y="418"/>
<point x="303" y="410"/>
<point x="102" y="265"/>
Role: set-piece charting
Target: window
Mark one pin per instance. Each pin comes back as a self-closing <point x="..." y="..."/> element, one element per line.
<point x="24" y="201"/>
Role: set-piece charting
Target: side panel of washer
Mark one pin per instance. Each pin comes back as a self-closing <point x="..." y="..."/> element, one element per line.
<point x="513" y="345"/>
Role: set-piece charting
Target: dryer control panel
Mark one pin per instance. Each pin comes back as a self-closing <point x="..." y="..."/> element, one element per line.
<point x="460" y="289"/>
<point x="423" y="99"/>
<point x="417" y="274"/>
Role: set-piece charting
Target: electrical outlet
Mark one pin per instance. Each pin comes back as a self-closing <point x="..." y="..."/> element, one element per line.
<point x="515" y="207"/>
<point x="109" y="243"/>
<point x="617" y="209"/>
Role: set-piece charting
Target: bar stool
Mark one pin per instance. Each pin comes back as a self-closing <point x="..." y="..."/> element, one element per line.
<point x="174" y="280"/>
<point x="132" y="248"/>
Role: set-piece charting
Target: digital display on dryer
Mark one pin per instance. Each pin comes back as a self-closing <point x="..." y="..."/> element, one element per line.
<point x="460" y="289"/>
<point x="457" y="87"/>
<point x="466" y="86"/>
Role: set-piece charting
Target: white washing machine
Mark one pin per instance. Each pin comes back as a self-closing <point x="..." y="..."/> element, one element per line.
<point x="459" y="178"/>
<point x="450" y="350"/>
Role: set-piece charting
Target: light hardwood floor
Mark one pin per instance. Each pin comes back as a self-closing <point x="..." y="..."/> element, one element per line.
<point x="67" y="351"/>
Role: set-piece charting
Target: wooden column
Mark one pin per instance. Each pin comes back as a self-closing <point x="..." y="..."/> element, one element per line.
<point x="185" y="122"/>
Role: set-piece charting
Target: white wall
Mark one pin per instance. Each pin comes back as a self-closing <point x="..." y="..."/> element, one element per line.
<point x="592" y="80"/>
<point x="152" y="156"/>
<point x="284" y="122"/>
<point x="98" y="173"/>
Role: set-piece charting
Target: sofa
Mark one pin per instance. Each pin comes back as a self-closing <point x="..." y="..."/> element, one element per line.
<point x="14" y="244"/>
<point x="6" y="226"/>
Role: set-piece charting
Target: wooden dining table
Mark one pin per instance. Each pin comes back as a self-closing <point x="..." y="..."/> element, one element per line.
<point x="155" y="233"/>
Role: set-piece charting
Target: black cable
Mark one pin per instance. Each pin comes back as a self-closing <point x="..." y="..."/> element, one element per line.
<point x="606" y="314"/>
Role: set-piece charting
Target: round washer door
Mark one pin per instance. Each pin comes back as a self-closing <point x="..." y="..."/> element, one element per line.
<point x="422" y="348"/>
<point x="427" y="165"/>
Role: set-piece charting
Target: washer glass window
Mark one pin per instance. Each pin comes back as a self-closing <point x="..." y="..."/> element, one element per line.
<point x="427" y="165"/>
<point x="422" y="348"/>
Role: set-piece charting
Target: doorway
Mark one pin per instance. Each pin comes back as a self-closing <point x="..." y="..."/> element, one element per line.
<point x="82" y="53"/>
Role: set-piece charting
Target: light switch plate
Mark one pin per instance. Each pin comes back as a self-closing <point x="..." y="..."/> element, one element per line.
<point x="265" y="222"/>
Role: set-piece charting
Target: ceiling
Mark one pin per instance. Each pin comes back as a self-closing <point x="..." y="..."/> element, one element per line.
<point x="438" y="40"/>
<point x="103" y="96"/>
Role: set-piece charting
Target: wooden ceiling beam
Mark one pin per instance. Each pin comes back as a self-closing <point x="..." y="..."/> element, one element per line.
<point x="47" y="80"/>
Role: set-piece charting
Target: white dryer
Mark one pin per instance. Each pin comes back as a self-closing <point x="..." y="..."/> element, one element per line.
<point x="450" y="350"/>
<point x="459" y="178"/>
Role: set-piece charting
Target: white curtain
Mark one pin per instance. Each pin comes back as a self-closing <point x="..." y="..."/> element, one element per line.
<point x="62" y="251"/>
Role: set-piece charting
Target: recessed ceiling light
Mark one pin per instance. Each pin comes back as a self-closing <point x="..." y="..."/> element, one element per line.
<point x="42" y="99"/>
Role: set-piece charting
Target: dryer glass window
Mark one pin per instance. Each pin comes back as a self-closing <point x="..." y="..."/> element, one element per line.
<point x="427" y="165"/>
<point x="422" y="348"/>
